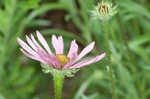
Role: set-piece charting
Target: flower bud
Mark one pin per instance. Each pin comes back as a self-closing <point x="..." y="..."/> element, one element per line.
<point x="104" y="11"/>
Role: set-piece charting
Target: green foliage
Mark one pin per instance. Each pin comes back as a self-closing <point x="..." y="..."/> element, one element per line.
<point x="20" y="77"/>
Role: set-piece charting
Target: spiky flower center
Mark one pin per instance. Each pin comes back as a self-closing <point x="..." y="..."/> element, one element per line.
<point x="62" y="59"/>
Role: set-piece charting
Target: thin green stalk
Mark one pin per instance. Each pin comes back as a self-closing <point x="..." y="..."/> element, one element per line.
<point x="109" y="59"/>
<point x="58" y="83"/>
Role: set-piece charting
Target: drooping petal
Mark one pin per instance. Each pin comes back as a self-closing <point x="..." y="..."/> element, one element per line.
<point x="88" y="61"/>
<point x="32" y="57"/>
<point x="86" y="50"/>
<point x="30" y="42"/>
<point x="26" y="47"/>
<point x="61" y="45"/>
<point x="43" y="42"/>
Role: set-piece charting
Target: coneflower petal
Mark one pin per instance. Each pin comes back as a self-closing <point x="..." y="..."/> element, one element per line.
<point x="34" y="41"/>
<point x="26" y="47"/>
<point x="73" y="49"/>
<point x="61" y="45"/>
<point x="32" y="57"/>
<point x="85" y="51"/>
<point x="88" y="61"/>
<point x="50" y="60"/>
<point x="30" y="42"/>
<point x="43" y="42"/>
<point x="55" y="44"/>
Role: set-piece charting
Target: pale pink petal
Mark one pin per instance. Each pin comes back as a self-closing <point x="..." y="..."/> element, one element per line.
<point x="86" y="50"/>
<point x="42" y="54"/>
<point x="50" y="60"/>
<point x="43" y="42"/>
<point x="26" y="47"/>
<point x="55" y="44"/>
<point x="58" y="44"/>
<point x="32" y="57"/>
<point x="72" y="53"/>
<point x="89" y="61"/>
<point x="36" y="44"/>
<point x="61" y="45"/>
<point x="30" y="42"/>
<point x="34" y="41"/>
<point x="73" y="49"/>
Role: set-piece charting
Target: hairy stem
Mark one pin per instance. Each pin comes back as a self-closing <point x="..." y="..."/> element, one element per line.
<point x="109" y="59"/>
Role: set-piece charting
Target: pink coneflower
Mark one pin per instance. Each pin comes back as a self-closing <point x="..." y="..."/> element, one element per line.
<point x="42" y="52"/>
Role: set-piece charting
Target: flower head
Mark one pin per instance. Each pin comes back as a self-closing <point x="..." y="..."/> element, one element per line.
<point x="104" y="11"/>
<point x="57" y="61"/>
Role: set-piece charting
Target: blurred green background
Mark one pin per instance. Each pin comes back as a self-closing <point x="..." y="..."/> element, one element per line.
<point x="22" y="78"/>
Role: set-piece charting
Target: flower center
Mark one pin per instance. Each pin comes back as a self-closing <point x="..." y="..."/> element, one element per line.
<point x="62" y="59"/>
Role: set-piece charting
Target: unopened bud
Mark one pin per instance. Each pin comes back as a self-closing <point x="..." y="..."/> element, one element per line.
<point x="104" y="11"/>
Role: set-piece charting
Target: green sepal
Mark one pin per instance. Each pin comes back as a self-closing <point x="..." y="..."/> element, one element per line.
<point x="54" y="71"/>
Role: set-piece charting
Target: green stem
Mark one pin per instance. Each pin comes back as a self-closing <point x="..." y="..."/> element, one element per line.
<point x="109" y="59"/>
<point x="58" y="83"/>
